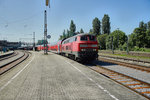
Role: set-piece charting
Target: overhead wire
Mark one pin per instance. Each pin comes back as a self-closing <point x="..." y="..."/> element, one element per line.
<point x="24" y="19"/>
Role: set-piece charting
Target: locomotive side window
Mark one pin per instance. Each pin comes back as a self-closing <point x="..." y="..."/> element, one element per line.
<point x="72" y="39"/>
<point x="66" y="47"/>
<point x="83" y="38"/>
<point x="92" y="38"/>
<point x="76" y="39"/>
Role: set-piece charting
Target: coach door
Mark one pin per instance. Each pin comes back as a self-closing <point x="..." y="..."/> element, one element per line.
<point x="58" y="48"/>
<point x="71" y="47"/>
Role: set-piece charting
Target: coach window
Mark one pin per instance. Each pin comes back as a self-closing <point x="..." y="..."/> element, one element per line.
<point x="83" y="38"/>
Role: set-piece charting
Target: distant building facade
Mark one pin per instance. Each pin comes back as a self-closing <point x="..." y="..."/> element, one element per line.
<point x="4" y="44"/>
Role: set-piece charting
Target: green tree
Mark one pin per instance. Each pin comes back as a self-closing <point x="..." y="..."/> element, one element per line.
<point x="64" y="35"/>
<point x="106" y="24"/>
<point x="108" y="42"/>
<point x="148" y="38"/>
<point x="132" y="41"/>
<point x="67" y="34"/>
<point x="81" y="30"/>
<point x="72" y="28"/>
<point x="119" y="38"/>
<point x="102" y="41"/>
<point x="96" y="26"/>
<point x="61" y="37"/>
<point x="141" y="24"/>
<point x="90" y="31"/>
<point x="140" y="37"/>
<point x="148" y="25"/>
<point x="145" y="27"/>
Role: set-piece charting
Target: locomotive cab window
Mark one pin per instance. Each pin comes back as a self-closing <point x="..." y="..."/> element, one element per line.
<point x="83" y="38"/>
<point x="92" y="38"/>
<point x="75" y="38"/>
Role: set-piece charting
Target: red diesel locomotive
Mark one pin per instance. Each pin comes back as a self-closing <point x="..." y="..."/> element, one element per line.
<point x="81" y="47"/>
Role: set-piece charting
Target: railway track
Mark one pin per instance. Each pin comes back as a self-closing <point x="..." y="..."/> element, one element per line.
<point x="134" y="84"/>
<point x="6" y="67"/>
<point x="125" y="64"/>
<point x="126" y="59"/>
<point x="9" y="56"/>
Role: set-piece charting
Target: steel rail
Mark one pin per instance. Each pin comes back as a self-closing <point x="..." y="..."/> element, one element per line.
<point x="128" y="59"/>
<point x="134" y="84"/>
<point x="135" y="66"/>
<point x="13" y="63"/>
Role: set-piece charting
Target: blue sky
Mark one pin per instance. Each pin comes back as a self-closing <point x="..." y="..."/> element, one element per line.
<point x="20" y="18"/>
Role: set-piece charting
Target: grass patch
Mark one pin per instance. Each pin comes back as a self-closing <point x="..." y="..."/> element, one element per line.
<point x="128" y="56"/>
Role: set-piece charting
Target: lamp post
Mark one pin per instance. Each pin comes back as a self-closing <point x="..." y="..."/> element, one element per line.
<point x="45" y="32"/>
<point x="33" y="41"/>
<point x="112" y="45"/>
<point x="118" y="37"/>
<point x="127" y="44"/>
<point x="45" y="28"/>
<point x="0" y="36"/>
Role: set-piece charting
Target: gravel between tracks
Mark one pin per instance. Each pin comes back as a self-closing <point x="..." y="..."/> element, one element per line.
<point x="141" y="75"/>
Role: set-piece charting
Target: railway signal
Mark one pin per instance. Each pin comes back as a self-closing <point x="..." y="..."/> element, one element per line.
<point x="48" y="36"/>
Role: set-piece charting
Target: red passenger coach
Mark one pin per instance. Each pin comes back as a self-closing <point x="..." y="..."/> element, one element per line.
<point x="39" y="48"/>
<point x="81" y="47"/>
<point x="56" y="47"/>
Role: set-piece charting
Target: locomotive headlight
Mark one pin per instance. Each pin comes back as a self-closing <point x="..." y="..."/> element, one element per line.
<point x="82" y="49"/>
<point x="94" y="45"/>
<point x="94" y="49"/>
<point x="83" y="45"/>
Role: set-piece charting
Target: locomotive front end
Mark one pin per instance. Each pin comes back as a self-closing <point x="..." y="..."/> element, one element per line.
<point x="88" y="48"/>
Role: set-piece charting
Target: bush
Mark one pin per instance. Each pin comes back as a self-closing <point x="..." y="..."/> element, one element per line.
<point x="136" y="48"/>
<point x="147" y="49"/>
<point x="142" y="49"/>
<point x="124" y="46"/>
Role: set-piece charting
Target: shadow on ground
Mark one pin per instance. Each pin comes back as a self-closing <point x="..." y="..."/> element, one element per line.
<point x="97" y="62"/>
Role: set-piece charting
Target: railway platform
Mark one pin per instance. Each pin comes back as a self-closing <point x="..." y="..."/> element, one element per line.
<point x="4" y="62"/>
<point x="6" y="54"/>
<point x="54" y="77"/>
